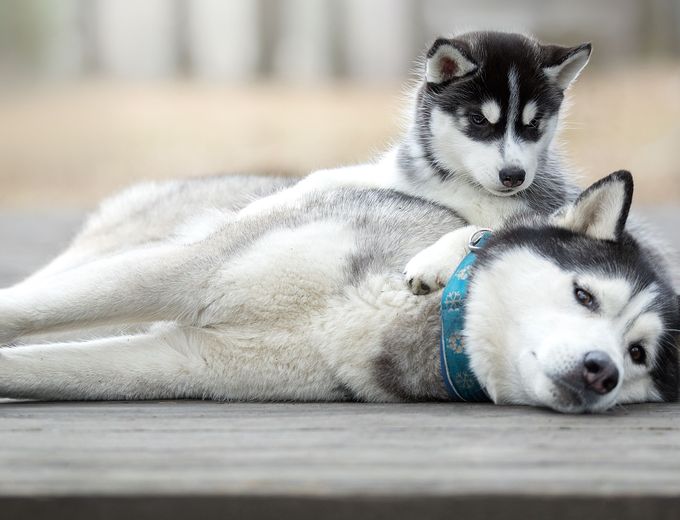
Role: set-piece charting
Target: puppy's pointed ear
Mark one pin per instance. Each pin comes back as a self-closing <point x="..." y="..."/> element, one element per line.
<point x="600" y="211"/>
<point x="448" y="60"/>
<point x="562" y="65"/>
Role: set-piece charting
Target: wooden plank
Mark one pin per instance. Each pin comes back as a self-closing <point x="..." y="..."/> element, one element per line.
<point x="386" y="507"/>
<point x="336" y="449"/>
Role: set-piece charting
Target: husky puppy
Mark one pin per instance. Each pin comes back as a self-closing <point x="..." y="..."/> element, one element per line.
<point x="564" y="311"/>
<point x="481" y="136"/>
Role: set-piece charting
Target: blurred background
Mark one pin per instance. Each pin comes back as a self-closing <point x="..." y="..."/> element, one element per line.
<point x="96" y="94"/>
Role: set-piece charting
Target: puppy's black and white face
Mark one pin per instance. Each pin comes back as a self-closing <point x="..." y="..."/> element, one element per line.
<point x="572" y="314"/>
<point x="489" y="106"/>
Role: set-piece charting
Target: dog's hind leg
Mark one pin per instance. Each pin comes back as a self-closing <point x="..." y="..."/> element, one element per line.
<point x="163" y="363"/>
<point x="163" y="283"/>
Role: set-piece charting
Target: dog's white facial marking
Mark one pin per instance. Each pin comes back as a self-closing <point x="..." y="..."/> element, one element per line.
<point x="642" y="324"/>
<point x="482" y="161"/>
<point x="540" y="361"/>
<point x="461" y="119"/>
<point x="529" y="112"/>
<point x="492" y="111"/>
<point x="517" y="153"/>
<point x="513" y="101"/>
<point x="459" y="153"/>
<point x="646" y="330"/>
<point x="612" y="294"/>
<point x="638" y="304"/>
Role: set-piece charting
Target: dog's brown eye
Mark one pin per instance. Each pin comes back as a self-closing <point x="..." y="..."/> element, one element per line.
<point x="534" y="123"/>
<point x="477" y="119"/>
<point x="637" y="354"/>
<point x="584" y="298"/>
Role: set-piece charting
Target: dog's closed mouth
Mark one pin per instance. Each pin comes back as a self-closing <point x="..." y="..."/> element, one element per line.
<point x="503" y="192"/>
<point x="568" y="396"/>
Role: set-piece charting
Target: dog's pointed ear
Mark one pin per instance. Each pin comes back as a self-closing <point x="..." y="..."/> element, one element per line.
<point x="600" y="211"/>
<point x="448" y="60"/>
<point x="562" y="65"/>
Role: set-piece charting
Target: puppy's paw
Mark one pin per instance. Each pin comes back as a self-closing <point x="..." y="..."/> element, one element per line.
<point x="425" y="274"/>
<point x="431" y="269"/>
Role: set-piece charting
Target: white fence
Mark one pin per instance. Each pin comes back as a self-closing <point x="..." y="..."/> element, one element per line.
<point x="302" y="40"/>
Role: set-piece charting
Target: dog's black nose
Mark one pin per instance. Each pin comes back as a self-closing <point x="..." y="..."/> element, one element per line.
<point x="599" y="372"/>
<point x="512" y="177"/>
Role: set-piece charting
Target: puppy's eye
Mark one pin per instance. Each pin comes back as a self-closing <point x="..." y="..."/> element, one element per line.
<point x="638" y="354"/>
<point x="534" y="123"/>
<point x="585" y="298"/>
<point x="477" y="119"/>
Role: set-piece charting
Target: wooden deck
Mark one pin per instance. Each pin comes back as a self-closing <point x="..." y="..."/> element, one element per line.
<point x="189" y="459"/>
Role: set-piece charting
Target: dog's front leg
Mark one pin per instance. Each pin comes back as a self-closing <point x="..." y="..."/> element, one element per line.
<point x="431" y="269"/>
<point x="160" y="364"/>
<point x="162" y="283"/>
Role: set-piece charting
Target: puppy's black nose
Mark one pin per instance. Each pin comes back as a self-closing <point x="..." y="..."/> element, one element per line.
<point x="512" y="177"/>
<point x="599" y="372"/>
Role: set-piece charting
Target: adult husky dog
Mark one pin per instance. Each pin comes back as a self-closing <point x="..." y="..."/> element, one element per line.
<point x="481" y="136"/>
<point x="566" y="311"/>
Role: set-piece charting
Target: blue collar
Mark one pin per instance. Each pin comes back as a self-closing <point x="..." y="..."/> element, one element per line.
<point x="459" y="379"/>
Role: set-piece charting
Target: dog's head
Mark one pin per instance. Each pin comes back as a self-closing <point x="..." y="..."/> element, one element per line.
<point x="489" y="106"/>
<point x="571" y="312"/>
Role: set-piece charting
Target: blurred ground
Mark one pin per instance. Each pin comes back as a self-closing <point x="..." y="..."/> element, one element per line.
<point x="67" y="146"/>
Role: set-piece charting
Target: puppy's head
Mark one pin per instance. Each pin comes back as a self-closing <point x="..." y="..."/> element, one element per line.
<point x="570" y="313"/>
<point x="489" y="106"/>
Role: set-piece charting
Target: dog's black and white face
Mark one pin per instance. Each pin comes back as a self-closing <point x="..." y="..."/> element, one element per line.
<point x="490" y="103"/>
<point x="571" y="313"/>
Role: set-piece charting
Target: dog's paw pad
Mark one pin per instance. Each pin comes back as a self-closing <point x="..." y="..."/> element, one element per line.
<point x="421" y="281"/>
<point x="418" y="286"/>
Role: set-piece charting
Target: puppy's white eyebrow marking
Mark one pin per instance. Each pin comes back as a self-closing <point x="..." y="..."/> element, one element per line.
<point x="492" y="111"/>
<point x="529" y="112"/>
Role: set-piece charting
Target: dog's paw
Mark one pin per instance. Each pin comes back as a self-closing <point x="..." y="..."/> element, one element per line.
<point x="425" y="274"/>
<point x="431" y="269"/>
